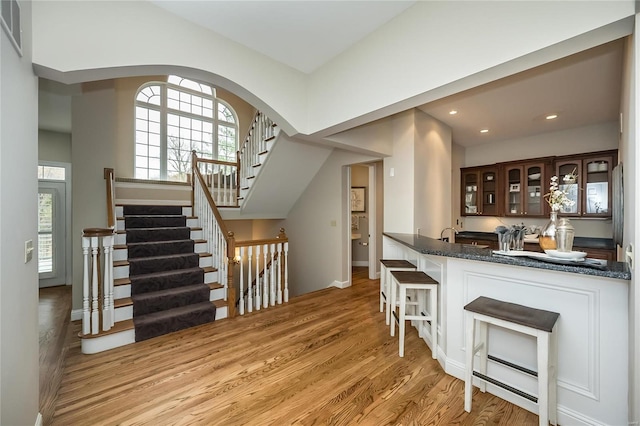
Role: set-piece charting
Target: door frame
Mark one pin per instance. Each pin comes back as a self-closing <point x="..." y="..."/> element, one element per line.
<point x="68" y="217"/>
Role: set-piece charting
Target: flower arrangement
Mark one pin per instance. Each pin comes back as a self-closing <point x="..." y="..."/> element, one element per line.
<point x="556" y="197"/>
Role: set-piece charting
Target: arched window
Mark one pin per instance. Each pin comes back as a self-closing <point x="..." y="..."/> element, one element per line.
<point x="176" y="117"/>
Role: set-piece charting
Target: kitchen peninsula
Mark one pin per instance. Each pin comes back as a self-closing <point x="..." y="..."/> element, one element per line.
<point x="592" y="328"/>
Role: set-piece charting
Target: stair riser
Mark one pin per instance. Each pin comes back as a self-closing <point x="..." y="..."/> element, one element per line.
<point x="191" y="222"/>
<point x="122" y="254"/>
<point x="195" y="235"/>
<point x="122" y="291"/>
<point x="123" y="271"/>
<point x="185" y="211"/>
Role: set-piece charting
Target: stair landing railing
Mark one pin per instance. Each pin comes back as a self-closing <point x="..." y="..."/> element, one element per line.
<point x="98" y="312"/>
<point x="221" y="179"/>
<point x="270" y="283"/>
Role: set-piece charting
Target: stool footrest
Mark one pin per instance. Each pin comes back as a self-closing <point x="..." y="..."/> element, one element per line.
<point x="512" y="365"/>
<point x="506" y="387"/>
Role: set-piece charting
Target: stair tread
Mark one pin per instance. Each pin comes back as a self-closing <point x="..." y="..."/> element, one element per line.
<point x="164" y="256"/>
<point x="165" y="273"/>
<point x="127" y="301"/>
<point x="148" y="243"/>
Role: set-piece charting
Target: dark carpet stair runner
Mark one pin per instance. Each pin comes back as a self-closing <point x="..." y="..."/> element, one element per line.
<point x="167" y="285"/>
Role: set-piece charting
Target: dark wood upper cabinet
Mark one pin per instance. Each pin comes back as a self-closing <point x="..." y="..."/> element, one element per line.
<point x="517" y="188"/>
<point x="591" y="191"/>
<point x="480" y="191"/>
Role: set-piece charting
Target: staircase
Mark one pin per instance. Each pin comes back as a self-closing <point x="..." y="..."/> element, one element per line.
<point x="163" y="278"/>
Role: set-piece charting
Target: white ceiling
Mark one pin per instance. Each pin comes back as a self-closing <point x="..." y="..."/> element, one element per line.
<point x="302" y="34"/>
<point x="583" y="89"/>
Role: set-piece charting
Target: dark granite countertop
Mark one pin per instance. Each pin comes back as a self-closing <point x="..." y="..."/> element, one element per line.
<point x="426" y="245"/>
<point x="584" y="242"/>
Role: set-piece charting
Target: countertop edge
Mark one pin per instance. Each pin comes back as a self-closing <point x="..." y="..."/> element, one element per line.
<point x="431" y="246"/>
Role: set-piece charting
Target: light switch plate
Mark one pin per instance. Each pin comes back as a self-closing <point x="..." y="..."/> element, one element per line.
<point x="28" y="250"/>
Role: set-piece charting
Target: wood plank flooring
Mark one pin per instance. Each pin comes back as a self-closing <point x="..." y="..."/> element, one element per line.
<point x="326" y="358"/>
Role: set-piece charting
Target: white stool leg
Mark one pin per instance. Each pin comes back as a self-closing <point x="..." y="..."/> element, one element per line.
<point x="403" y="309"/>
<point x="543" y="378"/>
<point x="468" y="370"/>
<point x="483" y="331"/>
<point x="433" y="295"/>
<point x="392" y="303"/>
<point x="383" y="289"/>
<point x="553" y="377"/>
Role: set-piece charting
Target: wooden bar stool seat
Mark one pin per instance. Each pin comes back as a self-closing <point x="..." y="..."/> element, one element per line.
<point x="423" y="285"/>
<point x="386" y="266"/>
<point x="535" y="322"/>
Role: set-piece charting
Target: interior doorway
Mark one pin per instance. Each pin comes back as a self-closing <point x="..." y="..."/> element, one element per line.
<point x="365" y="211"/>
<point x="53" y="222"/>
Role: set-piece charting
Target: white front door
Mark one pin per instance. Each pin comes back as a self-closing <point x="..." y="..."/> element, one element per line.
<point x="51" y="233"/>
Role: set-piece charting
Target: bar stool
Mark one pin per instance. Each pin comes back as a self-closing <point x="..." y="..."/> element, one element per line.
<point x="534" y="322"/>
<point x="386" y="266"/>
<point x="401" y="281"/>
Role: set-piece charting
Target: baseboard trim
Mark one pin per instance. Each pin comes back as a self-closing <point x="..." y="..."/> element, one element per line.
<point x="341" y="284"/>
<point x="39" y="420"/>
<point x="76" y="314"/>
<point x="360" y="263"/>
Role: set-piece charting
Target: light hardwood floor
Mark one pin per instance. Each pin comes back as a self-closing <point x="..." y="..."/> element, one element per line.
<point x="326" y="358"/>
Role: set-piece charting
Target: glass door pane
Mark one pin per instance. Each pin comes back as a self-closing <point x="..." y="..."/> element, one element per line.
<point x="45" y="232"/>
<point x="533" y="194"/>
<point x="597" y="186"/>
<point x="471" y="193"/>
<point x="514" y="191"/>
<point x="568" y="181"/>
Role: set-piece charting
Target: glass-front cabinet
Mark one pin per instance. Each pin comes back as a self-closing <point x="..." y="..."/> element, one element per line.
<point x="591" y="189"/>
<point x="480" y="191"/>
<point x="525" y="189"/>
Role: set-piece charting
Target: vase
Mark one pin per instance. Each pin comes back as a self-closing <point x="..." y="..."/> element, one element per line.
<point x="547" y="237"/>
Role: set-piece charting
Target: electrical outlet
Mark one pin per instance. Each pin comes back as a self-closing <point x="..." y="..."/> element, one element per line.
<point x="28" y="250"/>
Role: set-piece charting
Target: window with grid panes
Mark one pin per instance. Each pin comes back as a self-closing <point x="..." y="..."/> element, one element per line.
<point x="176" y="117"/>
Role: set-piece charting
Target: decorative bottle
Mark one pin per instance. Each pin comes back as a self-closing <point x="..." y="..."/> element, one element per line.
<point x="547" y="237"/>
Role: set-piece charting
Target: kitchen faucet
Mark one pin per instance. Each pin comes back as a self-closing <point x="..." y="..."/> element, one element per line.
<point x="442" y="232"/>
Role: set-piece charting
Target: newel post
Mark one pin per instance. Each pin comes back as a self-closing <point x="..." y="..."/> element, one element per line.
<point x="231" y="289"/>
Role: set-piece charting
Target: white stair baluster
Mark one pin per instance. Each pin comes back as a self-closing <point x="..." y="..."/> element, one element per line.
<point x="265" y="280"/>
<point x="95" y="266"/>
<point x="286" y="272"/>
<point x="272" y="281"/>
<point x="86" y="314"/>
<point x="258" y="291"/>
<point x="107" y="284"/>
<point x="250" y="292"/>
<point x="241" y="303"/>
<point x="279" y="271"/>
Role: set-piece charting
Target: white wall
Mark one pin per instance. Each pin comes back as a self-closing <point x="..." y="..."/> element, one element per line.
<point x="18" y="212"/>
<point x="435" y="43"/>
<point x="399" y="189"/>
<point x="54" y="146"/>
<point x="318" y="227"/>
<point x="92" y="149"/>
<point x="432" y="177"/>
<point x="629" y="156"/>
<point x="596" y="137"/>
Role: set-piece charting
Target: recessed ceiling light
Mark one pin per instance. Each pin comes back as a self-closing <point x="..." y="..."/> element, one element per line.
<point x="484" y="131"/>
<point x="453" y="112"/>
<point x="551" y="116"/>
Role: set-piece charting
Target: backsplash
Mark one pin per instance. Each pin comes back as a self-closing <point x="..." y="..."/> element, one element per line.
<point x="583" y="227"/>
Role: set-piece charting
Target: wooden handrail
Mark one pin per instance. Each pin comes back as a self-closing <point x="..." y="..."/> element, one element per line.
<point x="282" y="237"/>
<point x="97" y="232"/>
<point x="223" y="163"/>
<point x="109" y="176"/>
